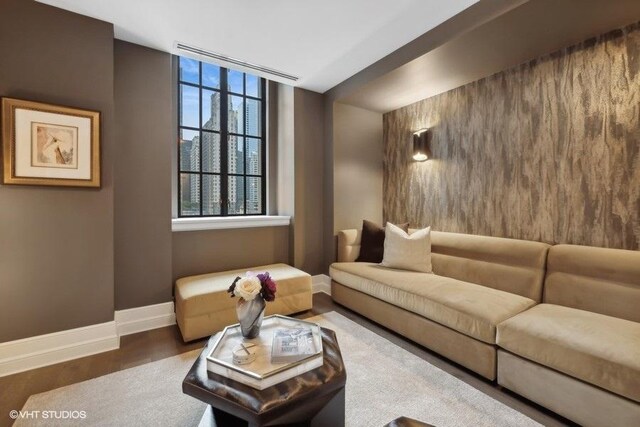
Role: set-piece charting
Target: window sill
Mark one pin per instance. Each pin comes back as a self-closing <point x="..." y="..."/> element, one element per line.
<point x="222" y="223"/>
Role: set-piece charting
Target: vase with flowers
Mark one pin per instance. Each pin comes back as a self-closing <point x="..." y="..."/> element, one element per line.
<point x="253" y="291"/>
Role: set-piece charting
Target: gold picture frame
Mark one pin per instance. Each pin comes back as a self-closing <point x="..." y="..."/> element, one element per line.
<point x="45" y="144"/>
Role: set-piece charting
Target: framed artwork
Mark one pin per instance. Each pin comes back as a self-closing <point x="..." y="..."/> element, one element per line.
<point x="45" y="144"/>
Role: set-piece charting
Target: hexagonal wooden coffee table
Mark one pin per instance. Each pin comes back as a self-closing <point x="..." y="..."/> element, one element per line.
<point x="314" y="398"/>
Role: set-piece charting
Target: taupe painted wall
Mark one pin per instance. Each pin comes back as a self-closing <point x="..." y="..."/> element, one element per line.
<point x="56" y="244"/>
<point x="309" y="156"/>
<point x="329" y="238"/>
<point x="299" y="138"/>
<point x="144" y="131"/>
<point x="285" y="141"/>
<point x="198" y="252"/>
<point x="272" y="148"/>
<point x="547" y="151"/>
<point x="357" y="166"/>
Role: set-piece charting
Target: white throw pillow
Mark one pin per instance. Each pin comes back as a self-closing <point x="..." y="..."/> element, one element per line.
<point x="407" y="252"/>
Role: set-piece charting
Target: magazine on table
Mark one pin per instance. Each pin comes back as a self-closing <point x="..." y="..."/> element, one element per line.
<point x="292" y="344"/>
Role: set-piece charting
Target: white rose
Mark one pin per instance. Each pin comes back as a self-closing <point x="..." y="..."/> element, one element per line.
<point x="247" y="288"/>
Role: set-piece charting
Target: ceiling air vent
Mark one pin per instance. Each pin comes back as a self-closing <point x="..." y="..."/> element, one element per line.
<point x="228" y="59"/>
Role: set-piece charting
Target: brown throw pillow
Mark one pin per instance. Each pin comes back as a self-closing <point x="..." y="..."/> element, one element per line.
<point x="372" y="243"/>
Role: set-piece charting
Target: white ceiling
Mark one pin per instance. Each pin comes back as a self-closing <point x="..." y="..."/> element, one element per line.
<point x="322" y="42"/>
<point x="484" y="51"/>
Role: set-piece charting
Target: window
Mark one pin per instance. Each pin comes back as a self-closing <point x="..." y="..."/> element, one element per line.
<point x="222" y="141"/>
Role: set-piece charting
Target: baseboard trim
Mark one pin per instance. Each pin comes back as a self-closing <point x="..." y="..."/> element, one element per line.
<point x="145" y="318"/>
<point x="49" y="349"/>
<point x="43" y="350"/>
<point x="321" y="283"/>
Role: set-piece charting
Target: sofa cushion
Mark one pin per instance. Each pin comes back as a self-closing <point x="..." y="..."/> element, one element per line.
<point x="598" y="349"/>
<point x="510" y="265"/>
<point x="471" y="309"/>
<point x="605" y="281"/>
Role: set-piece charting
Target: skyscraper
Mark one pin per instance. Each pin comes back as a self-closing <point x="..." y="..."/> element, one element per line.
<point x="194" y="184"/>
<point x="254" y="185"/>
<point x="211" y="158"/>
<point x="252" y="118"/>
<point x="185" y="165"/>
<point x="234" y="159"/>
<point x="253" y="127"/>
<point x="211" y="201"/>
<point x="241" y="159"/>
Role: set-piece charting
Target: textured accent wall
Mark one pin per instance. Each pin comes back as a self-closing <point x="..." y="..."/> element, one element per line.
<point x="547" y="151"/>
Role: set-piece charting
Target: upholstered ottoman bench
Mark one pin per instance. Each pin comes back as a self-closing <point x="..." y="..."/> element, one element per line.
<point x="204" y="307"/>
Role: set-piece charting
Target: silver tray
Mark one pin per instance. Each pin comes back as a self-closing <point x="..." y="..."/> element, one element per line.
<point x="261" y="373"/>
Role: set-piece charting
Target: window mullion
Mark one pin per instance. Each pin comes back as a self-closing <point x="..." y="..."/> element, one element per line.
<point x="224" y="145"/>
<point x="179" y="140"/>
<point x="263" y="145"/>
<point x="200" y="176"/>
<point x="244" y="142"/>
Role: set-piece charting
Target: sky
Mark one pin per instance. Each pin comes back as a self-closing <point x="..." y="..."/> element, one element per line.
<point x="189" y="72"/>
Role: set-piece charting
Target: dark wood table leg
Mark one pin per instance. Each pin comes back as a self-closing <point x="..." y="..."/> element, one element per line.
<point x="332" y="414"/>
<point x="215" y="418"/>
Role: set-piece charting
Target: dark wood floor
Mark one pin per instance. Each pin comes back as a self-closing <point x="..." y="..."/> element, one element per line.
<point x="145" y="347"/>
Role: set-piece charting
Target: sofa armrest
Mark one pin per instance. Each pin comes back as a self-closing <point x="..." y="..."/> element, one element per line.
<point x="349" y="245"/>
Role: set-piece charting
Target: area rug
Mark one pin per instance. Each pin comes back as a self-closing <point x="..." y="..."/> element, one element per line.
<point x="384" y="382"/>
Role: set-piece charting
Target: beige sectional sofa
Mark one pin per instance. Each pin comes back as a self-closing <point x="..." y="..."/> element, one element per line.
<point x="559" y="325"/>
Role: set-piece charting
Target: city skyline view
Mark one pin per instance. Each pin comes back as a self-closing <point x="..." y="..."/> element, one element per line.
<point x="201" y="150"/>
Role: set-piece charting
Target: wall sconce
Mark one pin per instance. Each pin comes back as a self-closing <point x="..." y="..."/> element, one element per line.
<point x="421" y="151"/>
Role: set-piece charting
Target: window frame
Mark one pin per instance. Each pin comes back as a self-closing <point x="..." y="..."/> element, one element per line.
<point x="224" y="134"/>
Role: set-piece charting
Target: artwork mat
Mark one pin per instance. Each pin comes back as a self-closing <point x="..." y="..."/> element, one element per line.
<point x="17" y="116"/>
<point x="35" y="160"/>
<point x="23" y="119"/>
